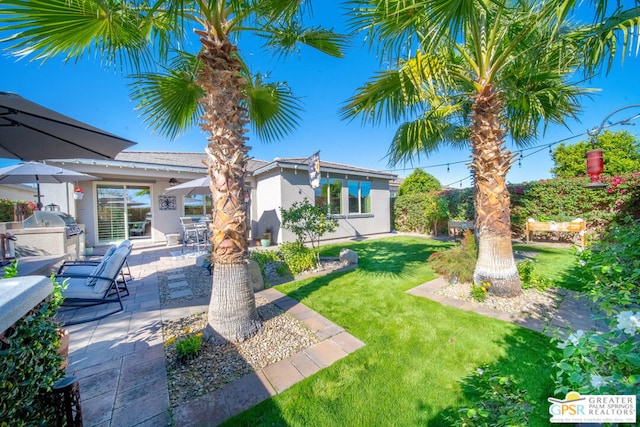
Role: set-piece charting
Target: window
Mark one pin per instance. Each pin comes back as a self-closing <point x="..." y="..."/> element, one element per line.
<point x="359" y="197"/>
<point x="197" y="205"/>
<point x="330" y="193"/>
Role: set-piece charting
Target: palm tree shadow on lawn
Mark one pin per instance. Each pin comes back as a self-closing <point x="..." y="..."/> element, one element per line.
<point x="382" y="257"/>
<point x="515" y="385"/>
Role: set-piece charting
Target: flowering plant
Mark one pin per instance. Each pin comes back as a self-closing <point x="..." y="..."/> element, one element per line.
<point x="78" y="190"/>
<point x="601" y="362"/>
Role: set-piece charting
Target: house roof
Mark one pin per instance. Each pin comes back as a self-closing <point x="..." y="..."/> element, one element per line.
<point x="330" y="167"/>
<point x="183" y="159"/>
<point x="194" y="162"/>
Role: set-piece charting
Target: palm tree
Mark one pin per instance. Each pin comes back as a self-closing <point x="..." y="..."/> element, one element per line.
<point x="470" y="73"/>
<point x="176" y="89"/>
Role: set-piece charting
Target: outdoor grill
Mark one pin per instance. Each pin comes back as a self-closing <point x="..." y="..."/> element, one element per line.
<point x="41" y="219"/>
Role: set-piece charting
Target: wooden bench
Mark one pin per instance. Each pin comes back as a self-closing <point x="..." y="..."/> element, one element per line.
<point x="575" y="226"/>
<point x="455" y="226"/>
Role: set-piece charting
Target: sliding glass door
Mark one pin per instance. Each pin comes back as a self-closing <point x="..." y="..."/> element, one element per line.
<point x="124" y="212"/>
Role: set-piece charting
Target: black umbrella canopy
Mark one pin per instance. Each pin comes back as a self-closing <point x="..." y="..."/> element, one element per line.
<point x="29" y="131"/>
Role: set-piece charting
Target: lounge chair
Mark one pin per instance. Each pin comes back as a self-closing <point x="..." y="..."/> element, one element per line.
<point x="100" y="286"/>
<point x="87" y="266"/>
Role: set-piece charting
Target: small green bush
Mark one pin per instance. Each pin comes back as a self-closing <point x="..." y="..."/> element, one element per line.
<point x="458" y="262"/>
<point x="263" y="258"/>
<point x="188" y="348"/>
<point x="29" y="366"/>
<point x="479" y="293"/>
<point x="298" y="257"/>
<point x="529" y="278"/>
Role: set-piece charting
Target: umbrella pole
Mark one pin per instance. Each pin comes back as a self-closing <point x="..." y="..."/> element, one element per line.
<point x="38" y="196"/>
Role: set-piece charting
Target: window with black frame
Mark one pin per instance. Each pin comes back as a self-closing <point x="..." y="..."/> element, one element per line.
<point x="330" y="193"/>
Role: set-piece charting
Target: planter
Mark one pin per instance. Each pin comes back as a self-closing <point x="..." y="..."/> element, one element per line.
<point x="78" y="196"/>
<point x="88" y="251"/>
<point x="265" y="242"/>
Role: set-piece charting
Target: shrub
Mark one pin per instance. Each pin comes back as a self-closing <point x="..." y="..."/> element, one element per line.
<point x="498" y="401"/>
<point x="479" y="293"/>
<point x="30" y="366"/>
<point x="308" y="222"/>
<point x="529" y="278"/>
<point x="611" y="267"/>
<point x="458" y="262"/>
<point x="420" y="212"/>
<point x="419" y="182"/>
<point x="263" y="258"/>
<point x="15" y="210"/>
<point x="607" y="362"/>
<point x="297" y="256"/>
<point x="188" y="348"/>
<point x="460" y="204"/>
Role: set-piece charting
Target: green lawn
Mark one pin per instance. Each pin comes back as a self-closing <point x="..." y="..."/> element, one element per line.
<point x="418" y="353"/>
<point x="558" y="264"/>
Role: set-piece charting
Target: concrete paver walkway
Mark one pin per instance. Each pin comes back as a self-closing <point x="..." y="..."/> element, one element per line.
<point x="119" y="361"/>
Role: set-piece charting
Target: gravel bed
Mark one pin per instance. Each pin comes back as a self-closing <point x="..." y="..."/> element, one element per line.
<point x="199" y="281"/>
<point x="531" y="303"/>
<point x="216" y="365"/>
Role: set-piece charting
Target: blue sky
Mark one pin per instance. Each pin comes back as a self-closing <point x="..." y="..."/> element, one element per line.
<point x="99" y="96"/>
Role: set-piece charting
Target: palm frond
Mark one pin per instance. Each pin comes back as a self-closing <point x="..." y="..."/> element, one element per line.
<point x="168" y="100"/>
<point x="284" y="39"/>
<point x="395" y="95"/>
<point x="47" y="28"/>
<point x="602" y="42"/>
<point x="273" y="108"/>
<point x="427" y="134"/>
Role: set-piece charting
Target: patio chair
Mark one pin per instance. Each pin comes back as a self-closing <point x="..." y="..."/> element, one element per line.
<point x="138" y="228"/>
<point x="192" y="233"/>
<point x="101" y="286"/>
<point x="87" y="266"/>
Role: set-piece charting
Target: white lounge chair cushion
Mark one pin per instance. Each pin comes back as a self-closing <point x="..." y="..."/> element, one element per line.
<point x="96" y="271"/>
<point x="111" y="269"/>
<point x="77" y="288"/>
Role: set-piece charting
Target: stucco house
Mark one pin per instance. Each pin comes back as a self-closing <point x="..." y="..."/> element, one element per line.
<point x="131" y="201"/>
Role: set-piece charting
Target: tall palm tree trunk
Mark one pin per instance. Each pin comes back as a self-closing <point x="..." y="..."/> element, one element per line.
<point x="490" y="164"/>
<point x="232" y="310"/>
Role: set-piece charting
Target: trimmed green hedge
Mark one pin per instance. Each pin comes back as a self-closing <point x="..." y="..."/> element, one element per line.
<point x="558" y="199"/>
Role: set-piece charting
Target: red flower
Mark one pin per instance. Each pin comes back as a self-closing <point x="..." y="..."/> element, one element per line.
<point x="78" y="190"/>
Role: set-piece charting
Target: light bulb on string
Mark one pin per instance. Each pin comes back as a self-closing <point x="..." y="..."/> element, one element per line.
<point x="448" y="170"/>
<point x="520" y="160"/>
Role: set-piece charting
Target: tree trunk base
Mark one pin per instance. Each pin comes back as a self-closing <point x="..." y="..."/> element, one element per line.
<point x="232" y="310"/>
<point x="496" y="265"/>
<point x="506" y="284"/>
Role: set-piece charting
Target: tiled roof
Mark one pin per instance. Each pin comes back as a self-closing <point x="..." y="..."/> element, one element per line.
<point x="324" y="165"/>
<point x="188" y="159"/>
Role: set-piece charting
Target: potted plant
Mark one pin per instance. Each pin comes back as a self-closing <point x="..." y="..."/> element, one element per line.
<point x="78" y="193"/>
<point x="265" y="242"/>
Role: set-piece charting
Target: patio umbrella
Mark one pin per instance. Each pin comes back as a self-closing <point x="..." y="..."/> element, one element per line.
<point x="29" y="131"/>
<point x="195" y="186"/>
<point x="37" y="173"/>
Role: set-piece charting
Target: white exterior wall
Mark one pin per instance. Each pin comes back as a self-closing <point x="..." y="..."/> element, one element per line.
<point x="294" y="187"/>
<point x="266" y="206"/>
<point x="85" y="211"/>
